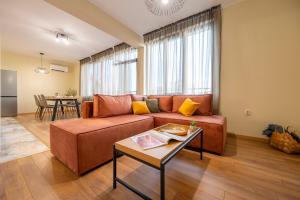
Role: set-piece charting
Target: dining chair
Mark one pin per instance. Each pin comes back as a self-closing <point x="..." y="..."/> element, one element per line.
<point x="66" y="108"/>
<point x="46" y="108"/>
<point x="70" y="108"/>
<point x="39" y="107"/>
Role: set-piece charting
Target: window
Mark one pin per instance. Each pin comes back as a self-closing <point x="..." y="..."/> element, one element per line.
<point x="184" y="57"/>
<point x="180" y="64"/>
<point x="197" y="64"/>
<point x="110" y="74"/>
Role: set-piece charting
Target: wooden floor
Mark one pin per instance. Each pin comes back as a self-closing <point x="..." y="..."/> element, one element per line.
<point x="248" y="170"/>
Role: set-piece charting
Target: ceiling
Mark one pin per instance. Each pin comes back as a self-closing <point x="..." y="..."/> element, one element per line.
<point x="134" y="14"/>
<point x="28" y="27"/>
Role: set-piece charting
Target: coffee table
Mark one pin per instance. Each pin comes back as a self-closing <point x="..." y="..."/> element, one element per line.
<point x="156" y="157"/>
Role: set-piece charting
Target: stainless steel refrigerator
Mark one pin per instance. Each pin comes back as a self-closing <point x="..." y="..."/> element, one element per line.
<point x="9" y="107"/>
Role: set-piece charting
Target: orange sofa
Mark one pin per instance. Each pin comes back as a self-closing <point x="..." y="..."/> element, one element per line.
<point x="83" y="144"/>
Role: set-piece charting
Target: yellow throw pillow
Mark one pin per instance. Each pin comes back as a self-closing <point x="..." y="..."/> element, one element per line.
<point x="140" y="107"/>
<point x="188" y="107"/>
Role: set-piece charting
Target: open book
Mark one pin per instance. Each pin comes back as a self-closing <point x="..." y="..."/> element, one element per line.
<point x="154" y="138"/>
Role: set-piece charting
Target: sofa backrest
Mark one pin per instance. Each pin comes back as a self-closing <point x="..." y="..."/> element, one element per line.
<point x="87" y="109"/>
<point x="137" y="97"/>
<point x="104" y="106"/>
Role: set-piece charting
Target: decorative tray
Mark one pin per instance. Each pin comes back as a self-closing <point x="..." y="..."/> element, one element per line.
<point x="175" y="129"/>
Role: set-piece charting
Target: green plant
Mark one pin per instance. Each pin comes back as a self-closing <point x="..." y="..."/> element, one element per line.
<point x="71" y="92"/>
<point x="194" y="123"/>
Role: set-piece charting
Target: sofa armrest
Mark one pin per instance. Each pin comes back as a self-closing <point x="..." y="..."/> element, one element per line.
<point x="87" y="109"/>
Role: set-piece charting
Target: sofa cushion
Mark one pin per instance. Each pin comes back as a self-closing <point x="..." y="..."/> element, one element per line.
<point x="213" y="119"/>
<point x="214" y="128"/>
<point x="205" y="101"/>
<point x="165" y="102"/>
<point x="81" y="126"/>
<point x="107" y="106"/>
<point x="137" y="97"/>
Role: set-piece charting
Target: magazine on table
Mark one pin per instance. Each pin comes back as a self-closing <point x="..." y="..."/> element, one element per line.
<point x="152" y="139"/>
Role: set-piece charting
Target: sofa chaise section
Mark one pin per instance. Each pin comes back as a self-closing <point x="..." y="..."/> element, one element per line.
<point x="83" y="144"/>
<point x="214" y="128"/>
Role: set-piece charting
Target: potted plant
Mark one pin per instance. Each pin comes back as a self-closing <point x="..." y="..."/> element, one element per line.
<point x="71" y="92"/>
<point x="193" y="125"/>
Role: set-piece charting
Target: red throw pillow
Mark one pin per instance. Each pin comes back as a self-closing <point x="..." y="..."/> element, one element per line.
<point x="106" y="106"/>
<point x="205" y="101"/>
<point x="164" y="102"/>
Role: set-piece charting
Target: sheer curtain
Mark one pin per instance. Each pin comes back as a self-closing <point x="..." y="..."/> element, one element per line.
<point x="183" y="58"/>
<point x="163" y="69"/>
<point x="112" y="72"/>
<point x="197" y="65"/>
<point x="86" y="76"/>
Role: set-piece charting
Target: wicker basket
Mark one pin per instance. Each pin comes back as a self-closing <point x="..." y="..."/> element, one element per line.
<point x="284" y="142"/>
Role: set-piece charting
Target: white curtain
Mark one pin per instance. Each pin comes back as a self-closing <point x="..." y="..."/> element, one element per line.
<point x="110" y="74"/>
<point x="183" y="58"/>
<point x="163" y="69"/>
<point x="87" y="80"/>
<point x="180" y="64"/>
<point x="197" y="64"/>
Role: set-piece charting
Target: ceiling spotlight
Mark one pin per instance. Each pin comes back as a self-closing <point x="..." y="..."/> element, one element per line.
<point x="66" y="41"/>
<point x="62" y="37"/>
<point x="165" y="2"/>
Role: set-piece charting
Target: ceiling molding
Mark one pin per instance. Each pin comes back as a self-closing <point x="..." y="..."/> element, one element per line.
<point x="231" y="3"/>
<point x="93" y="15"/>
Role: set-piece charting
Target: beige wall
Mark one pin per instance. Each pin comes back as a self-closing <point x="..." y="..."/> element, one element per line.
<point x="30" y="83"/>
<point x="261" y="65"/>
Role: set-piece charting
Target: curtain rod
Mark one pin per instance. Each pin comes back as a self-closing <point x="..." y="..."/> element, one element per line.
<point x="88" y="59"/>
<point x="182" y="20"/>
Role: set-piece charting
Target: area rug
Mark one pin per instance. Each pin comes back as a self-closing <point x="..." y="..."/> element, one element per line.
<point x="16" y="141"/>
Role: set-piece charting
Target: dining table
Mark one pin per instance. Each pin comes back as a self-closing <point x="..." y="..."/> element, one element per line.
<point x="59" y="102"/>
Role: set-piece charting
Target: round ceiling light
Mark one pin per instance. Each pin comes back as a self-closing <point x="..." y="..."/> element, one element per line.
<point x="41" y="69"/>
<point x="164" y="7"/>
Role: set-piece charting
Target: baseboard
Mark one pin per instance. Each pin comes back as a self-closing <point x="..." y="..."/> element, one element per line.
<point x="246" y="137"/>
<point x="30" y="113"/>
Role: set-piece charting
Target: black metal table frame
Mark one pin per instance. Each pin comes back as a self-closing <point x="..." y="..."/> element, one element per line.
<point x="161" y="168"/>
<point x="62" y="108"/>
